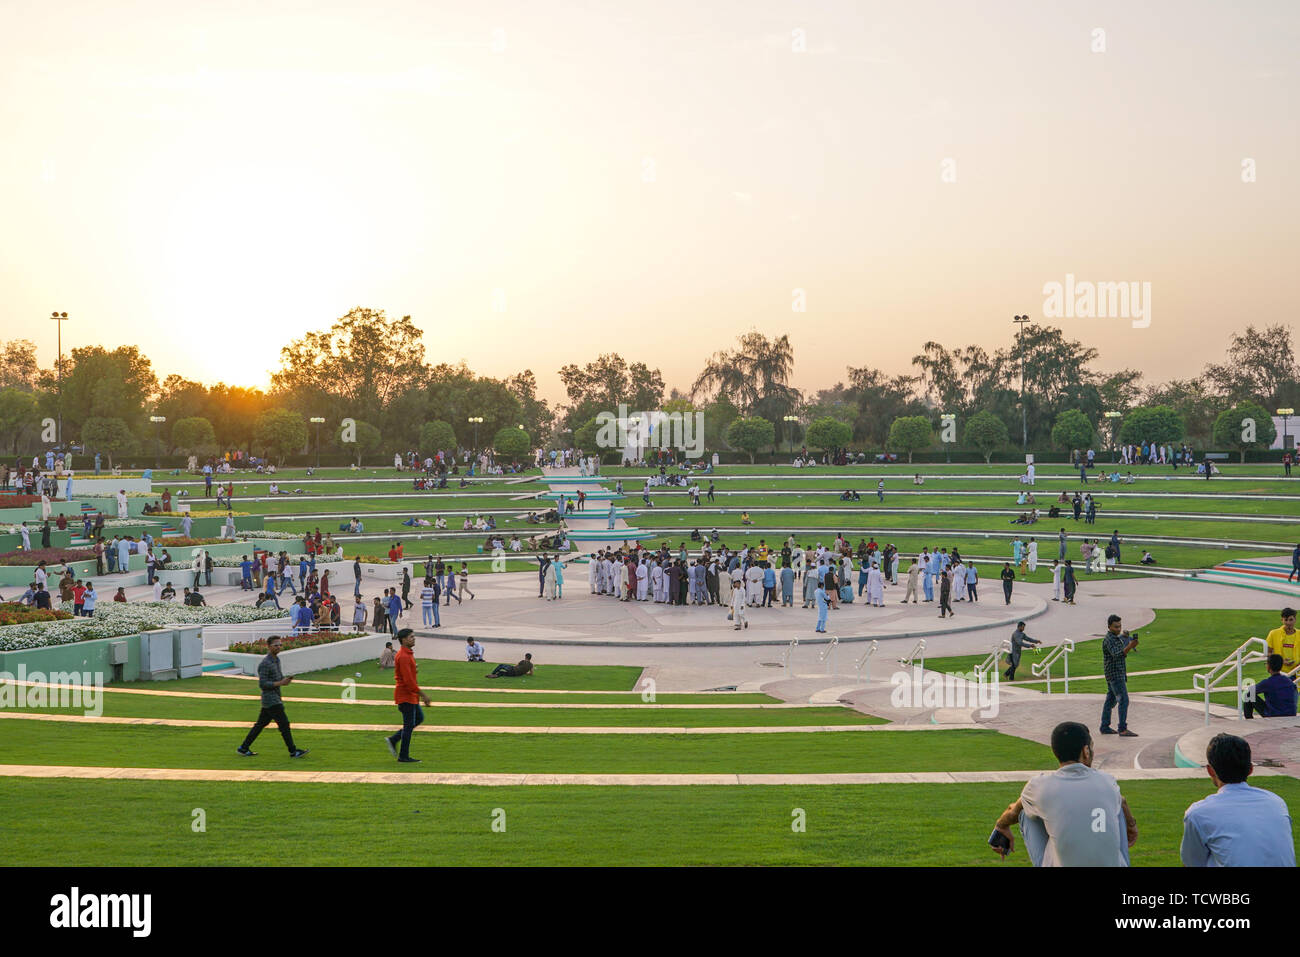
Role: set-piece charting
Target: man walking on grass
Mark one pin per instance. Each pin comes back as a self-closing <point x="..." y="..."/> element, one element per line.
<point x="271" y="679"/>
<point x="407" y="695"/>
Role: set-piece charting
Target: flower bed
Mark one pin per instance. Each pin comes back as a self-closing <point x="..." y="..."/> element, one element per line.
<point x="16" y="613"/>
<point x="18" y="501"/>
<point x="114" y="619"/>
<point x="202" y="513"/>
<point x="290" y="642"/>
<point x="182" y="541"/>
<point x="51" y="556"/>
<point x="261" y="534"/>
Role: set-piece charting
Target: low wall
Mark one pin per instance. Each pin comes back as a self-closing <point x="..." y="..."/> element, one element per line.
<point x="85" y="484"/>
<point x="88" y="657"/>
<point x="350" y="651"/>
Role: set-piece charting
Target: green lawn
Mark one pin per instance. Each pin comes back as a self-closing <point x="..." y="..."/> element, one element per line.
<point x="1176" y="638"/>
<point x="29" y="742"/>
<point x="468" y="674"/>
<point x="260" y="824"/>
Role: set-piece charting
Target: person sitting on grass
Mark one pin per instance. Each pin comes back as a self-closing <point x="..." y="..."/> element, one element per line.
<point x="524" y="667"/>
<point x="917" y="479"/>
<point x="387" y="657"/>
<point x="1274" y="697"/>
<point x="745" y="519"/>
<point x="1147" y="559"/>
<point x="473" y="650"/>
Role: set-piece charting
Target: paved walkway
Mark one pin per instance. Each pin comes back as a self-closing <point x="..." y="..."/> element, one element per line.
<point x="566" y="780"/>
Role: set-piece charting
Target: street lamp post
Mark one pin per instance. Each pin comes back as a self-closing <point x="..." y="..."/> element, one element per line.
<point x="476" y="419"/>
<point x="60" y="318"/>
<point x="157" y="421"/>
<point x="789" y="421"/>
<point x="1114" y="418"/>
<point x="317" y="420"/>
<point x="1024" y="415"/>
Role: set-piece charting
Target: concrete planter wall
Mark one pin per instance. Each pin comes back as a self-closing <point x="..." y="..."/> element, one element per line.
<point x="350" y="651"/>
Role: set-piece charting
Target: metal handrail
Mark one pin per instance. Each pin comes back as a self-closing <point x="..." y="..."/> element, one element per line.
<point x="919" y="649"/>
<point x="865" y="661"/>
<point x="789" y="650"/>
<point x="1044" y="667"/>
<point x="990" y="663"/>
<point x="1249" y="651"/>
<point x="828" y="653"/>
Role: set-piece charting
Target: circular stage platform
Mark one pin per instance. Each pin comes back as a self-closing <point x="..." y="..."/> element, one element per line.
<point x="507" y="609"/>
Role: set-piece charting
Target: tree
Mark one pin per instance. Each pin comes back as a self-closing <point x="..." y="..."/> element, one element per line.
<point x="750" y="435"/>
<point x="17" y="416"/>
<point x="986" y="432"/>
<point x="1196" y="406"/>
<point x="1155" y="423"/>
<point x="1119" y="391"/>
<point x="827" y="433"/>
<point x="911" y="433"/>
<point x="880" y="399"/>
<point x="102" y="384"/>
<point x="511" y="443"/>
<point x="756" y="376"/>
<point x="534" y="414"/>
<point x="603" y="385"/>
<point x="18" y="368"/>
<point x="584" y="436"/>
<point x="356" y="367"/>
<point x="109" y="435"/>
<point x="718" y="415"/>
<point x="233" y="413"/>
<point x="1072" y="430"/>
<point x="1261" y="365"/>
<point x="437" y="436"/>
<point x="280" y="432"/>
<point x="194" y="436"/>
<point x="360" y="441"/>
<point x="1247" y="425"/>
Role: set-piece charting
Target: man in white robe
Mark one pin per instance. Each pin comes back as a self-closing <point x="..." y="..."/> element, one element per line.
<point x="121" y="504"/>
<point x="754" y="585"/>
<point x="1033" y="554"/>
<point x="876" y="586"/>
<point x="1056" y="580"/>
<point x="642" y="579"/>
<point x="959" y="582"/>
<point x="724" y="586"/>
<point x="657" y="581"/>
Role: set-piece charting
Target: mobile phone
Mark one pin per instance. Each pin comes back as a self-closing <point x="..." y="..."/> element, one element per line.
<point x="998" y="841"/>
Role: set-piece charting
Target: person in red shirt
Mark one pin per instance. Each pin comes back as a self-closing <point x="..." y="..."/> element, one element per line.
<point x="79" y="599"/>
<point x="407" y="695"/>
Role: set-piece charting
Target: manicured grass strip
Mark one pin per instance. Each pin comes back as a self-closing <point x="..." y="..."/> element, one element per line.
<point x="334" y="690"/>
<point x="141" y="706"/>
<point x="33" y="742"/>
<point x="468" y="674"/>
<point x="1176" y="637"/>
<point x="335" y="824"/>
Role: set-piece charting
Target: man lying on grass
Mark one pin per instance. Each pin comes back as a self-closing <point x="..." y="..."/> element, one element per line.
<point x="524" y="667"/>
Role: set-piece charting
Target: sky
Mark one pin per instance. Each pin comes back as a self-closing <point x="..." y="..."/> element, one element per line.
<point x="535" y="184"/>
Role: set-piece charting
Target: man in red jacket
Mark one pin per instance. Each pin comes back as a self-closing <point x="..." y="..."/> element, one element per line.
<point x="407" y="694"/>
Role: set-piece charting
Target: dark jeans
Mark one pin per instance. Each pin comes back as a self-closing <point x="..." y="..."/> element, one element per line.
<point x="1006" y="591"/>
<point x="274" y="713"/>
<point x="972" y="589"/>
<point x="1011" y="669"/>
<point x="412" y="715"/>
<point x="1116" y="691"/>
<point x="504" y="671"/>
<point x="149" y="576"/>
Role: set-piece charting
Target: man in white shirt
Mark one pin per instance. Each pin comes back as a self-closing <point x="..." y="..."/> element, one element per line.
<point x="121" y="503"/>
<point x="1056" y="580"/>
<point x="1238" y="825"/>
<point x="473" y="650"/>
<point x="1074" y="816"/>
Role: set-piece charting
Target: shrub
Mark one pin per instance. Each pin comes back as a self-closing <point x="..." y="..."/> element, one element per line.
<point x="51" y="556"/>
<point x="16" y="613"/>
<point x="290" y="642"/>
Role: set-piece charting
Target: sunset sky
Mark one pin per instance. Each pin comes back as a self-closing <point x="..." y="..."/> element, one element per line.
<point x="209" y="181"/>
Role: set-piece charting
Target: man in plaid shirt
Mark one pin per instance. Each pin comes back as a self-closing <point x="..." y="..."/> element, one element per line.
<point x="1115" y="647"/>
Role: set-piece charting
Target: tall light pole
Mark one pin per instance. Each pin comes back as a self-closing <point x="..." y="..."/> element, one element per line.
<point x="789" y="421"/>
<point x="1114" y="418"/>
<point x="316" y="421"/>
<point x="476" y="419"/>
<point x="60" y="318"/>
<point x="157" y="421"/>
<point x="1024" y="414"/>
<point x="1286" y="414"/>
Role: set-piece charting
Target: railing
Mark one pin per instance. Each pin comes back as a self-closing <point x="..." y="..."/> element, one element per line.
<point x="1250" y="650"/>
<point x="918" y="650"/>
<point x="864" y="663"/>
<point x="990" y="663"/>
<point x="828" y="654"/>
<point x="1044" y="667"/>
<point x="789" y="650"/>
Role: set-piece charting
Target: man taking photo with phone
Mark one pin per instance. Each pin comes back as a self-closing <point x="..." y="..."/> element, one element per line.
<point x="1115" y="649"/>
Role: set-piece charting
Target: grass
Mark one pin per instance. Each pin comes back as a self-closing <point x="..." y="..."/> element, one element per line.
<point x="341" y="711"/>
<point x="1176" y="638"/>
<point x="29" y="742"/>
<point x="256" y="824"/>
<point x="468" y="674"/>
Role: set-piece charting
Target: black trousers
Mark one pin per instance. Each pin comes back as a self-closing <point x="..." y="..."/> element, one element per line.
<point x="1006" y="590"/>
<point x="274" y="713"/>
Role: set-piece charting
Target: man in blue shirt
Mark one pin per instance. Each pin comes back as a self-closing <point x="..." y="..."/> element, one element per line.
<point x="1274" y="697"/>
<point x="394" y="610"/>
<point x="246" y="574"/>
<point x="302" y="616"/>
<point x="1239" y="825"/>
<point x="823" y="608"/>
<point x="302" y="571"/>
<point x="769" y="584"/>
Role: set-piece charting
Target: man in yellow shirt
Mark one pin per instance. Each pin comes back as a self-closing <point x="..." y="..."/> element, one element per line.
<point x="1285" y="641"/>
